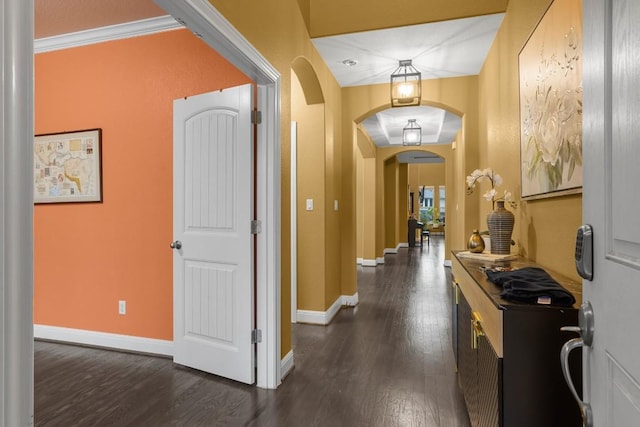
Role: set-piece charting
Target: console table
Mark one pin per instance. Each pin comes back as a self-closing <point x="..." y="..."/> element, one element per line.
<point x="508" y="353"/>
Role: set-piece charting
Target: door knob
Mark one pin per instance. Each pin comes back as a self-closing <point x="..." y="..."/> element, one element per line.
<point x="176" y="245"/>
<point x="585" y="320"/>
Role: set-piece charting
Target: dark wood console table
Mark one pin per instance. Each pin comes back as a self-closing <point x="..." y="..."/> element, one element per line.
<point x="508" y="353"/>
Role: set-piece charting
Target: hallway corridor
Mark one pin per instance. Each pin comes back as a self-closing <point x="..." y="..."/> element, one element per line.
<point x="386" y="362"/>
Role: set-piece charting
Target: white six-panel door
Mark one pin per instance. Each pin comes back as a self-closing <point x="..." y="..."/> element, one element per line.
<point x="611" y="204"/>
<point x="213" y="244"/>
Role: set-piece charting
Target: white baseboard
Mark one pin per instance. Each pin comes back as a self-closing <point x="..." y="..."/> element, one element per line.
<point x="104" y="339"/>
<point x="447" y="263"/>
<point x="359" y="261"/>
<point x="350" y="300"/>
<point x="319" y="317"/>
<point x="325" y="317"/>
<point x="286" y="365"/>
<point x="369" y="263"/>
<point x="396" y="249"/>
<point x="380" y="260"/>
<point x="311" y="316"/>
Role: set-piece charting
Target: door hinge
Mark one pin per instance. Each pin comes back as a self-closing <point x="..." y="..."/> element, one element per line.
<point x="256" y="336"/>
<point x="256" y="226"/>
<point x="256" y="117"/>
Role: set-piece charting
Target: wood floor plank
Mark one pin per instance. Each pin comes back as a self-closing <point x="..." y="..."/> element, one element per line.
<point x="386" y="362"/>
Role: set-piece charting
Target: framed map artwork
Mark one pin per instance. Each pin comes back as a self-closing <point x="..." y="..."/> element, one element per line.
<point x="67" y="167"/>
<point x="550" y="74"/>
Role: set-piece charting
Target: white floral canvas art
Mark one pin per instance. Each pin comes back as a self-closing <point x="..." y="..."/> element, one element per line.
<point x="550" y="71"/>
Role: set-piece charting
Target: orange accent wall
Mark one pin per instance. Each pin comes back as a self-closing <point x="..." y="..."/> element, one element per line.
<point x="89" y="256"/>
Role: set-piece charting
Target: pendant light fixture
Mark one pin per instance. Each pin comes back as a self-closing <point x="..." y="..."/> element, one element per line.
<point x="412" y="133"/>
<point x="406" y="89"/>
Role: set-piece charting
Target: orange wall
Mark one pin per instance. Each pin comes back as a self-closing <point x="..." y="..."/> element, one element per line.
<point x="89" y="256"/>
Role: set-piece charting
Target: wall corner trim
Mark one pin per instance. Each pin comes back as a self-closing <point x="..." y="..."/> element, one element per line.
<point x="390" y="250"/>
<point x="380" y="260"/>
<point x="286" y="365"/>
<point x="369" y="263"/>
<point x="350" y="300"/>
<point x="104" y="339"/>
<point x="359" y="261"/>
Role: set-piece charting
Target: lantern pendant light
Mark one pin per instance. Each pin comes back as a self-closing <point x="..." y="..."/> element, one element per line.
<point x="412" y="133"/>
<point x="406" y="88"/>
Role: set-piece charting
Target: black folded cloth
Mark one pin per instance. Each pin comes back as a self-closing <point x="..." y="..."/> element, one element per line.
<point x="531" y="285"/>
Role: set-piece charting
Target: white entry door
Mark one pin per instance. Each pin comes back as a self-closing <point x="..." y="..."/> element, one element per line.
<point x="611" y="204"/>
<point x="213" y="244"/>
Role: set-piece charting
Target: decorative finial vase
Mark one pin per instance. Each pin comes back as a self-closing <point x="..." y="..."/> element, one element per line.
<point x="476" y="243"/>
<point x="500" y="223"/>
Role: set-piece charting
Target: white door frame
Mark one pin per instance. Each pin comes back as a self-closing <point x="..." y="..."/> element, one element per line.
<point x="294" y="222"/>
<point x="16" y="213"/>
<point x="207" y="23"/>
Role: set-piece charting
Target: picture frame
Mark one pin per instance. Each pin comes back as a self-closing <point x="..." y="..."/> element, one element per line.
<point x="550" y="97"/>
<point x="68" y="167"/>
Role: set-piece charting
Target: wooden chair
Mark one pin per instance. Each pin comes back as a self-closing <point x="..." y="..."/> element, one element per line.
<point x="427" y="234"/>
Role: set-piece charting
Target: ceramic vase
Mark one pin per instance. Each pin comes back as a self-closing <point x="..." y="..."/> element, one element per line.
<point x="500" y="223"/>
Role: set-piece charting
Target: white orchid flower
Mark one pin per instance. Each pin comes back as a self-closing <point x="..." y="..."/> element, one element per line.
<point x="496" y="181"/>
<point x="489" y="195"/>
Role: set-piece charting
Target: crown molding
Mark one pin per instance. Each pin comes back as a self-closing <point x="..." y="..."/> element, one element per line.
<point x="105" y="34"/>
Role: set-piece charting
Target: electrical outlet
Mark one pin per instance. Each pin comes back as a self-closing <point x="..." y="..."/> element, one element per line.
<point x="122" y="307"/>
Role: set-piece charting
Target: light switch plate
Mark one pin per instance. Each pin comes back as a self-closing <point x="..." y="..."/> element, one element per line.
<point x="309" y="204"/>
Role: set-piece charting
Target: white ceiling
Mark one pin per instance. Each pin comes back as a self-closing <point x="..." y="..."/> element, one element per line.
<point x="438" y="50"/>
<point x="438" y="126"/>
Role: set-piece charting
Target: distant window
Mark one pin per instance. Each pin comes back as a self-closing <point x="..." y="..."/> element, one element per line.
<point x="426" y="203"/>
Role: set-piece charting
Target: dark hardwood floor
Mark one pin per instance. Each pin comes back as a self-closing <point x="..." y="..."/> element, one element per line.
<point x="386" y="362"/>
